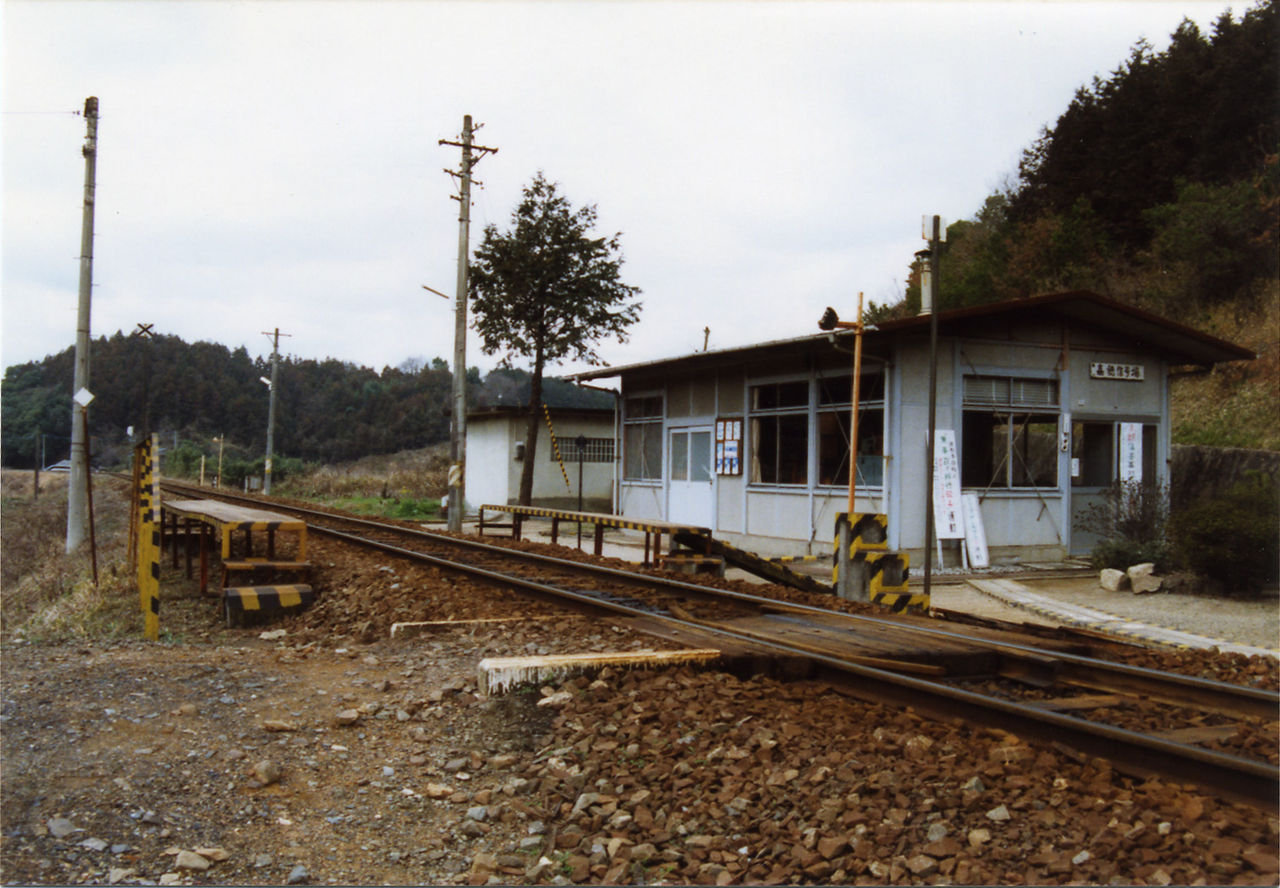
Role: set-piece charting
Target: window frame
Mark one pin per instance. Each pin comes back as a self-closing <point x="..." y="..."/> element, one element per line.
<point x="1017" y="402"/>
<point x="878" y="385"/>
<point x="775" y="415"/>
<point x="646" y="428"/>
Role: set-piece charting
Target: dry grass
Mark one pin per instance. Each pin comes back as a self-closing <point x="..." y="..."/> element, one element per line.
<point x="1237" y="404"/>
<point x="416" y="474"/>
<point x="46" y="594"/>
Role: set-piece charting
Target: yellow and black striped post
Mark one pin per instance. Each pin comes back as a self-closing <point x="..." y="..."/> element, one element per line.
<point x="148" y="536"/>
<point x="885" y="572"/>
<point x="555" y="446"/>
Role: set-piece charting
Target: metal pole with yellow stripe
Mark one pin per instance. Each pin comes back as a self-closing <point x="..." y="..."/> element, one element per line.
<point x="555" y="446"/>
<point x="149" y="535"/>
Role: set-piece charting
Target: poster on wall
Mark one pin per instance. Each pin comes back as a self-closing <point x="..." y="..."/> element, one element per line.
<point x="1131" y="452"/>
<point x="947" y="519"/>
<point x="728" y="446"/>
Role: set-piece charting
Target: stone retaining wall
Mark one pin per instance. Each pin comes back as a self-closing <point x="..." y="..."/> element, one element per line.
<point x="1208" y="471"/>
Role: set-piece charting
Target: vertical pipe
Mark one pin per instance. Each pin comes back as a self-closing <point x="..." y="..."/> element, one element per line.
<point x="934" y="247"/>
<point x="77" y="514"/>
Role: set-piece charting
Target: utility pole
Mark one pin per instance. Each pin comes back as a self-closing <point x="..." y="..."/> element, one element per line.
<point x="77" y="502"/>
<point x="271" y="406"/>
<point x="458" y="430"/>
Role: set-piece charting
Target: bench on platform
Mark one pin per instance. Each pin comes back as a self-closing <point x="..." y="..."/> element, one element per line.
<point x="237" y="601"/>
<point x="652" y="530"/>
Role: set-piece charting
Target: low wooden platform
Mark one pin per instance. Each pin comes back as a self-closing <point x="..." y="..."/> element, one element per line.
<point x="197" y="521"/>
<point x="653" y="530"/>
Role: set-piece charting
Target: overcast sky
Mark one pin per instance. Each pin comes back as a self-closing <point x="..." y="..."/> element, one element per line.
<point x="275" y="164"/>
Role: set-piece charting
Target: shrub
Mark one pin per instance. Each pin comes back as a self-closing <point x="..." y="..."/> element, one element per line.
<point x="1132" y="521"/>
<point x="1234" y="539"/>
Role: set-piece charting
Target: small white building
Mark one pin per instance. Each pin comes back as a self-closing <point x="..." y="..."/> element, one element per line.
<point x="1046" y="402"/>
<point x="495" y="458"/>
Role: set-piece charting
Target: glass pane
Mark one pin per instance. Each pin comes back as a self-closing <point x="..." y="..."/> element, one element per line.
<point x="1034" y="451"/>
<point x="793" y="394"/>
<point x="1149" y="474"/>
<point x="833" y="448"/>
<point x="982" y="450"/>
<point x="700" y="456"/>
<point x="764" y="449"/>
<point x="679" y="456"/>
<point x="652" y="450"/>
<point x="793" y="449"/>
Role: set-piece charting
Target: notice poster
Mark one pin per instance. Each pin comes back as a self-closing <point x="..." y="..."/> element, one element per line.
<point x="1131" y="452"/>
<point x="947" y="519"/>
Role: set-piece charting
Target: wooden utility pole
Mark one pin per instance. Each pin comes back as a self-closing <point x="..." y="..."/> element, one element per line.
<point x="458" y="429"/>
<point x="77" y="504"/>
<point x="934" y="233"/>
<point x="271" y="406"/>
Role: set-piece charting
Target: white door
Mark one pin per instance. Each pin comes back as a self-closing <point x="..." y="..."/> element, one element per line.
<point x="689" y="477"/>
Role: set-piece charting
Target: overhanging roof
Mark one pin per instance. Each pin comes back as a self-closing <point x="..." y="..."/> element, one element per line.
<point x="1177" y="342"/>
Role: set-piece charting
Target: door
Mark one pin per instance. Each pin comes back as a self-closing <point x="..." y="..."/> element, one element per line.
<point x="1103" y="453"/>
<point x="689" y="477"/>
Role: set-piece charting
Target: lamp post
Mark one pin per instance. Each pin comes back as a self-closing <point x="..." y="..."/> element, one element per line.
<point x="845" y="570"/>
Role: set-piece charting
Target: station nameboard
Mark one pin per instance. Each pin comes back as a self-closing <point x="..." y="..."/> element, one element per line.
<point x="1123" y="372"/>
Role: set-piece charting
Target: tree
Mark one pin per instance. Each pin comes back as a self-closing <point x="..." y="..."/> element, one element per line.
<point x="547" y="290"/>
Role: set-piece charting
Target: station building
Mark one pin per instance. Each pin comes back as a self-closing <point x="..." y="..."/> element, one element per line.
<point x="495" y="457"/>
<point x="1046" y="402"/>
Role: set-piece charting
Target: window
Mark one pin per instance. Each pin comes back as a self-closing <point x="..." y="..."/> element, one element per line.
<point x="1003" y="446"/>
<point x="779" y="433"/>
<point x="833" y="430"/>
<point x="642" y="438"/>
<point x="597" y="450"/>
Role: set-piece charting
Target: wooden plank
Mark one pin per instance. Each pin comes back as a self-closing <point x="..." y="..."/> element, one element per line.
<point x="1082" y="701"/>
<point x="1199" y="734"/>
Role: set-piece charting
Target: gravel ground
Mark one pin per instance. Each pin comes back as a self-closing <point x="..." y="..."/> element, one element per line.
<point x="331" y="755"/>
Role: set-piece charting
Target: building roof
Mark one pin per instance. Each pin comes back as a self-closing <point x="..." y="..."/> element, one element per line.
<point x="1179" y="343"/>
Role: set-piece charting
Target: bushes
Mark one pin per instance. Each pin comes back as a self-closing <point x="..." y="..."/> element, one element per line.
<point x="1233" y="539"/>
<point x="1132" y="522"/>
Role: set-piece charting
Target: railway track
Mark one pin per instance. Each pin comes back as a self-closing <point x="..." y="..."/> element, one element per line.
<point x="1143" y="721"/>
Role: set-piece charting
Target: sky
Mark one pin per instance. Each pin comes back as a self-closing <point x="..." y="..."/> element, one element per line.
<point x="275" y="164"/>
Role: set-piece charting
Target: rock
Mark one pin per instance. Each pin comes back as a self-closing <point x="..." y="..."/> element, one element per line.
<point x="922" y="865"/>
<point x="276" y="726"/>
<point x="186" y="709"/>
<point x="266" y="772"/>
<point x="437" y="791"/>
<point x="347" y="717"/>
<point x="974" y="784"/>
<point x="1142" y="579"/>
<point x="60" y="827"/>
<point x="94" y="844"/>
<point x="832" y="846"/>
<point x="170" y="878"/>
<point x="116" y="874"/>
<point x="557" y="700"/>
<point x="191" y="860"/>
<point x="1112" y="580"/>
<point x="998" y="814"/>
<point x="503" y="761"/>
<point x="263" y="860"/>
<point x="477" y="813"/>
<point x="217" y="855"/>
<point x="1080" y="858"/>
<point x="937" y="832"/>
<point x="298" y="875"/>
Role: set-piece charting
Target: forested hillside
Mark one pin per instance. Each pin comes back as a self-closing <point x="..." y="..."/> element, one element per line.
<point x="325" y="410"/>
<point x="1158" y="186"/>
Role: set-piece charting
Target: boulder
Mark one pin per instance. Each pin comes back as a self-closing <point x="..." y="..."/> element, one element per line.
<point x="1112" y="580"/>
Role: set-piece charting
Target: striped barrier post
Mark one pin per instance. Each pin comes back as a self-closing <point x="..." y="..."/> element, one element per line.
<point x="555" y="446"/>
<point x="149" y="536"/>
<point x="886" y="572"/>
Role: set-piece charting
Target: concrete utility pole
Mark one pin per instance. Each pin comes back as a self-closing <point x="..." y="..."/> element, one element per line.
<point x="77" y="491"/>
<point x="271" y="406"/>
<point x="458" y="430"/>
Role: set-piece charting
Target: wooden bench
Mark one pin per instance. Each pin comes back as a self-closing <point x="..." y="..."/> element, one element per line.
<point x="652" y="530"/>
<point x="207" y="520"/>
<point x="237" y="601"/>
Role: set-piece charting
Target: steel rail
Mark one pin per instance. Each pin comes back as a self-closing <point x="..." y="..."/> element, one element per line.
<point x="1022" y="662"/>
<point x="1243" y="779"/>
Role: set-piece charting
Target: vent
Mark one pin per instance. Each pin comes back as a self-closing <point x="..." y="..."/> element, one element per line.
<point x="1008" y="391"/>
